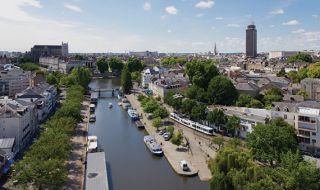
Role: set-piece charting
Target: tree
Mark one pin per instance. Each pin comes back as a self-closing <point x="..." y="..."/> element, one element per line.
<point x="268" y="141"/>
<point x="82" y="75"/>
<point x="157" y="122"/>
<point x="102" y="65"/>
<point x="244" y="100"/>
<point x="177" y="138"/>
<point x="300" y="57"/>
<point x="303" y="93"/>
<point x="222" y="91"/>
<point x="160" y="112"/>
<point x="198" y="112"/>
<point x="201" y="72"/>
<point x="136" y="76"/>
<point x="302" y="73"/>
<point x="217" y="117"/>
<point x="170" y="129"/>
<point x="272" y="95"/>
<point x="126" y="81"/>
<point x="281" y="73"/>
<point x="151" y="106"/>
<point x="173" y="60"/>
<point x="314" y="70"/>
<point x="233" y="124"/>
<point x="218" y="141"/>
<point x="255" y="104"/>
<point x="29" y="67"/>
<point x="115" y="64"/>
<point x="135" y="64"/>
<point x="187" y="106"/>
<point x="293" y="76"/>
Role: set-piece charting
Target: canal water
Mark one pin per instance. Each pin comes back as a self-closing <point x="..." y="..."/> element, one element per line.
<point x="130" y="164"/>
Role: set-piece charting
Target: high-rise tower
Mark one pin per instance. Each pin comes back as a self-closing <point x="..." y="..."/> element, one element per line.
<point x="215" y="50"/>
<point x="251" y="41"/>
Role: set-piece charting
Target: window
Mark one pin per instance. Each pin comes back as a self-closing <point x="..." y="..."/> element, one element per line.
<point x="314" y="134"/>
<point x="285" y="116"/>
<point x="314" y="141"/>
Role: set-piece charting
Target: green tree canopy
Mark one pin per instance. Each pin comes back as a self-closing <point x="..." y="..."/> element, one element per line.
<point x="102" y="65"/>
<point x="222" y="91"/>
<point x="217" y="117"/>
<point x="126" y="81"/>
<point x="201" y="72"/>
<point x="314" y="70"/>
<point x="268" y="141"/>
<point x="244" y="100"/>
<point x="300" y="57"/>
<point x="115" y="64"/>
<point x="135" y="64"/>
<point x="29" y="67"/>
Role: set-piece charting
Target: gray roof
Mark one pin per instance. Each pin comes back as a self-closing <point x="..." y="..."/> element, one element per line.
<point x="309" y="104"/>
<point x="283" y="106"/>
<point x="246" y="86"/>
<point x="96" y="175"/>
<point x="6" y="143"/>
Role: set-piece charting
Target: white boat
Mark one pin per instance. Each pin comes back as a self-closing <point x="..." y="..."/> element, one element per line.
<point x="110" y="105"/>
<point x="92" y="118"/>
<point x="92" y="107"/>
<point x="133" y="114"/>
<point x="152" y="145"/>
<point x="92" y="144"/>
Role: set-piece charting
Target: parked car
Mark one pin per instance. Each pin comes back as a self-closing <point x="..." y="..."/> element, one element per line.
<point x="184" y="165"/>
<point x="161" y="132"/>
<point x="167" y="136"/>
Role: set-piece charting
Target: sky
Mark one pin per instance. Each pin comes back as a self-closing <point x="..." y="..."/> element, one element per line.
<point x="159" y="25"/>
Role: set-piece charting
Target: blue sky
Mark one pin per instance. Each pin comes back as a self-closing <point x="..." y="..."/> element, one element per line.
<point x="159" y="25"/>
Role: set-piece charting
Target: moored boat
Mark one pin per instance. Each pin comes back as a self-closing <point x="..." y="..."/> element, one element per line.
<point x="92" y="107"/>
<point x="110" y="105"/>
<point x="133" y="114"/>
<point x="92" y="118"/>
<point x="152" y="145"/>
<point x="92" y="144"/>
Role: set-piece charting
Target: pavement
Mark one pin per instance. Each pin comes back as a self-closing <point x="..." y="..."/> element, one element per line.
<point x="197" y="156"/>
<point x="75" y="166"/>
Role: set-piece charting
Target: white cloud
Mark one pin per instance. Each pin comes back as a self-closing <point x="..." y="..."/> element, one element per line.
<point x="219" y="18"/>
<point x="272" y="26"/>
<point x="233" y="25"/>
<point x="169" y="30"/>
<point x="147" y="6"/>
<point x="200" y="15"/>
<point x="291" y="23"/>
<point x="163" y="17"/>
<point x="299" y="31"/>
<point x="198" y="43"/>
<point x="204" y="4"/>
<point x="71" y="7"/>
<point x="277" y="12"/>
<point x="315" y="16"/>
<point x="213" y="27"/>
<point x="171" y="10"/>
<point x="12" y="10"/>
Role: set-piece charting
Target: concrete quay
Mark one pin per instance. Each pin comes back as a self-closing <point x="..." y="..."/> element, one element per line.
<point x="197" y="156"/>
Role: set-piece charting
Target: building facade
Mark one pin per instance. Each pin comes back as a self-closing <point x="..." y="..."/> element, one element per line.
<point x="312" y="87"/>
<point x="49" y="50"/>
<point x="14" y="81"/>
<point x="251" y="41"/>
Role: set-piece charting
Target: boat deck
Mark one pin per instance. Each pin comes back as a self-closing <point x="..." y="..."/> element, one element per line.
<point x="96" y="174"/>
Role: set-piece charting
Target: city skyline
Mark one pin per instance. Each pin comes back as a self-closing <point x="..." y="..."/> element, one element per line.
<point x="164" y="26"/>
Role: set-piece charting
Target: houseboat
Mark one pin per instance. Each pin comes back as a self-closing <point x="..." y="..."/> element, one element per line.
<point x="92" y="118"/>
<point x="152" y="145"/>
<point x="92" y="144"/>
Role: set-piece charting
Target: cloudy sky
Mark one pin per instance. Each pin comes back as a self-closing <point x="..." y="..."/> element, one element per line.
<point x="159" y="25"/>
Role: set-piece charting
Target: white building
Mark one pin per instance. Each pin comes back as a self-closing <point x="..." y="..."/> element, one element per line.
<point x="14" y="81"/>
<point x="305" y="117"/>
<point x="17" y="121"/>
<point x="43" y="95"/>
<point x="63" y="66"/>
<point x="281" y="54"/>
<point x="147" y="75"/>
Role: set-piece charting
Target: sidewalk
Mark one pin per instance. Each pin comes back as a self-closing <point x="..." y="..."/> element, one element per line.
<point x="197" y="157"/>
<point x="75" y="166"/>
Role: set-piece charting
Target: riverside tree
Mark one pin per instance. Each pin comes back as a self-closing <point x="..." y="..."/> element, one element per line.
<point x="126" y="81"/>
<point x="222" y="91"/>
<point x="102" y="65"/>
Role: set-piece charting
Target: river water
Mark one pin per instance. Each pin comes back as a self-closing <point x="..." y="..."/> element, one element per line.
<point x="130" y="164"/>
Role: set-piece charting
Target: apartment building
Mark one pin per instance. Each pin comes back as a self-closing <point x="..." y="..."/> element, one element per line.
<point x="14" y="81"/>
<point x="305" y="117"/>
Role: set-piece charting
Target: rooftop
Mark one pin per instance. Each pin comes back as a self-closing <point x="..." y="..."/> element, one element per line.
<point x="96" y="175"/>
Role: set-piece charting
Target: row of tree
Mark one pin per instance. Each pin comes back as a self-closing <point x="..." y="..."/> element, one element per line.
<point x="116" y="64"/>
<point x="270" y="161"/>
<point x="43" y="165"/>
<point x="150" y="105"/>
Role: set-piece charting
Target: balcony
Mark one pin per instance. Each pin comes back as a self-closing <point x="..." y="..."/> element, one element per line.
<point x="307" y="126"/>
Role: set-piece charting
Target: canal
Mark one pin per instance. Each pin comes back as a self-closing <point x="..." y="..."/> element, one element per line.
<point x="130" y="164"/>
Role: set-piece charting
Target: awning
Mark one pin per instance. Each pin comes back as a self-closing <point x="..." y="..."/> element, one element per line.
<point x="6" y="167"/>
